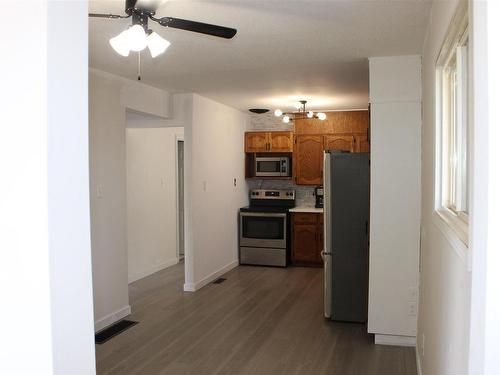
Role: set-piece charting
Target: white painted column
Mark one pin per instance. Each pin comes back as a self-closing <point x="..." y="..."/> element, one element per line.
<point x="45" y="280"/>
<point x="395" y="96"/>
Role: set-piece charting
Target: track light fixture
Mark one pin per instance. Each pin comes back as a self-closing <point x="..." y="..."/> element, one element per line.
<point x="301" y="113"/>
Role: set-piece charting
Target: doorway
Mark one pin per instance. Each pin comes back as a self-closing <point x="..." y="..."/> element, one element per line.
<point x="180" y="199"/>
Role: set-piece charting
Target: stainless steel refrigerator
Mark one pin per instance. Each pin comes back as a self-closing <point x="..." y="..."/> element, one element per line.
<point x="346" y="221"/>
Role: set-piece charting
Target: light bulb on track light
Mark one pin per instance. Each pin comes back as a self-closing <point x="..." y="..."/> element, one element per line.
<point x="322" y="116"/>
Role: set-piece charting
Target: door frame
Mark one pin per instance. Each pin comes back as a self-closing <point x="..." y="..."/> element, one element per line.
<point x="178" y="137"/>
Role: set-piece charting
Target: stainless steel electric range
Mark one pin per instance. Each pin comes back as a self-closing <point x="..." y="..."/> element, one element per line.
<point x="265" y="228"/>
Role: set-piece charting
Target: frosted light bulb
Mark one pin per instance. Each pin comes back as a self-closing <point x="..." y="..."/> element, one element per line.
<point x="157" y="45"/>
<point x="286" y="119"/>
<point x="120" y="44"/>
<point x="322" y="116"/>
<point x="278" y="113"/>
<point x="310" y="114"/>
<point x="136" y="38"/>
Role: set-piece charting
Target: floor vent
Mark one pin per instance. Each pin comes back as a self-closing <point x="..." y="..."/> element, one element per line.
<point x="106" y="334"/>
<point x="219" y="280"/>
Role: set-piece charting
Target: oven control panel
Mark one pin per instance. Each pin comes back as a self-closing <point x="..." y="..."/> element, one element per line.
<point x="272" y="194"/>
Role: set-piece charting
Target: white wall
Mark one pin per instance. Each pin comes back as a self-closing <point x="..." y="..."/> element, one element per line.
<point x="108" y="200"/>
<point x="484" y="349"/>
<point x="44" y="215"/>
<point x="444" y="281"/>
<point x="395" y="198"/>
<point x="214" y="156"/>
<point x="151" y="196"/>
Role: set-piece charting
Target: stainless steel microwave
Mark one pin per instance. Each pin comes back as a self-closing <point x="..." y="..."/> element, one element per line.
<point x="272" y="166"/>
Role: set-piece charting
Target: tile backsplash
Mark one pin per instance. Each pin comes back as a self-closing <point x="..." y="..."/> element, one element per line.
<point x="304" y="195"/>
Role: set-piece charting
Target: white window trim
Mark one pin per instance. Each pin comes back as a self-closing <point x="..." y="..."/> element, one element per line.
<point x="448" y="221"/>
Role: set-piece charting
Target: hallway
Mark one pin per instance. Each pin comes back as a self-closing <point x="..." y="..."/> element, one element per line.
<point x="259" y="321"/>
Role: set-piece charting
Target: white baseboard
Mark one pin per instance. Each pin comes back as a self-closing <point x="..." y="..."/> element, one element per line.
<point x="112" y="318"/>
<point x="395" y="340"/>
<point x="193" y="287"/>
<point x="154" y="269"/>
<point x="419" y="365"/>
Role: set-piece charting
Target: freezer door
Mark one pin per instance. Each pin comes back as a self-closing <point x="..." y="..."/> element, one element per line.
<point x="327" y="235"/>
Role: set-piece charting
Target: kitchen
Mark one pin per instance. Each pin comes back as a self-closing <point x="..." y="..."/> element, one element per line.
<point x="290" y="221"/>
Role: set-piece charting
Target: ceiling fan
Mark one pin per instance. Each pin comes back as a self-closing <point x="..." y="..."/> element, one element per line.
<point x="138" y="36"/>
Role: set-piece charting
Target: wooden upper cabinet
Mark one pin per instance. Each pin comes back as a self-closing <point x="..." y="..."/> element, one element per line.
<point x="256" y="142"/>
<point x="269" y="142"/>
<point x="308" y="159"/>
<point x="281" y="141"/>
<point x="362" y="143"/>
<point x="339" y="122"/>
<point x="339" y="142"/>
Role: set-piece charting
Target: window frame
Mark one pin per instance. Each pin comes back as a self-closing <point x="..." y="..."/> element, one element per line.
<point x="456" y="46"/>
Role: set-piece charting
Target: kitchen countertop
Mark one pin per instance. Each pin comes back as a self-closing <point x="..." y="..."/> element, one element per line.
<point x="304" y="209"/>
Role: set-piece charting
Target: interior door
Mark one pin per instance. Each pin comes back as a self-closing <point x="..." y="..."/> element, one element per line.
<point x="180" y="197"/>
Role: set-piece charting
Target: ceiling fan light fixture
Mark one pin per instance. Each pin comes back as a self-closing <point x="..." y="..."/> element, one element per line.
<point x="156" y="44"/>
<point x="136" y="38"/>
<point x="120" y="44"/>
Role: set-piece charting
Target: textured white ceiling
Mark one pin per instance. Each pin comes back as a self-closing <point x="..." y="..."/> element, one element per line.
<point x="284" y="50"/>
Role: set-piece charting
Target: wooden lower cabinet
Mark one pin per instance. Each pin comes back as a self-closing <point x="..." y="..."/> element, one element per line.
<point x="307" y="239"/>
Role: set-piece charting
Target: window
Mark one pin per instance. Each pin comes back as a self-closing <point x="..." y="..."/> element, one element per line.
<point x="452" y="115"/>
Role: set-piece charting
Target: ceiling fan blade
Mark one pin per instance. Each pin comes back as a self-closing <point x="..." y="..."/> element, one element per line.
<point x="101" y="15"/>
<point x="197" y="27"/>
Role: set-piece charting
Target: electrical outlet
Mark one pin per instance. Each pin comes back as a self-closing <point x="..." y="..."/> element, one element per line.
<point x="412" y="309"/>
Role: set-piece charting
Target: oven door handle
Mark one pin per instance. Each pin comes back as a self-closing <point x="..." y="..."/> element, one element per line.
<point x="265" y="214"/>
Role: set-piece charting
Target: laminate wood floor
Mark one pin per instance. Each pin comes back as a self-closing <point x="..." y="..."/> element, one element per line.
<point x="259" y="321"/>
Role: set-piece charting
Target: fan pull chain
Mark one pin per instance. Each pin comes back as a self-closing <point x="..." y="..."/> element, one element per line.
<point x="139" y="66"/>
